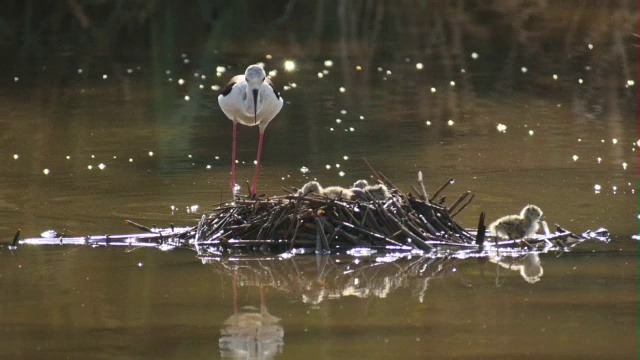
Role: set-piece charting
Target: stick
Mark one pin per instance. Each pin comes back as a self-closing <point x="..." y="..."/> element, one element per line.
<point x="370" y="233"/>
<point x="14" y="242"/>
<point x="321" y="244"/>
<point x="460" y="199"/>
<point x="464" y="206"/>
<point x="442" y="187"/>
<point x="295" y="232"/>
<point x="424" y="190"/>
<point x="140" y="227"/>
<point x="418" y="194"/>
<point x="481" y="230"/>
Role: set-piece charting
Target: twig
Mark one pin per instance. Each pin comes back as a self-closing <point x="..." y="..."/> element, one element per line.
<point x="464" y="206"/>
<point x="442" y="187"/>
<point x="140" y="227"/>
<point x="424" y="190"/>
<point x="16" y="237"/>
<point x="459" y="200"/>
<point x="482" y="229"/>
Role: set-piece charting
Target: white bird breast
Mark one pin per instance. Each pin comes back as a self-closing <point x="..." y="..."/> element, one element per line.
<point x="238" y="104"/>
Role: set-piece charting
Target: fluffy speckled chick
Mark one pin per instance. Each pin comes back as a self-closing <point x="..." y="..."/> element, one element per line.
<point x="518" y="226"/>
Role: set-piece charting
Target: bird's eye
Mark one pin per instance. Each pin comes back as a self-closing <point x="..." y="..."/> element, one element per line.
<point x="264" y="77"/>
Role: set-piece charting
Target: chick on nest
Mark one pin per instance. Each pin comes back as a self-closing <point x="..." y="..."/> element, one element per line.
<point x="518" y="226"/>
<point x="332" y="192"/>
<point x="360" y="191"/>
<point x="377" y="192"/>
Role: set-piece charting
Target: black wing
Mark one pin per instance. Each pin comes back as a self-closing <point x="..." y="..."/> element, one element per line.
<point x="234" y="80"/>
<point x="270" y="83"/>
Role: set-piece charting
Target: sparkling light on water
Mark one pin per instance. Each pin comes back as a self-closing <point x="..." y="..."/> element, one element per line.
<point x="289" y="65"/>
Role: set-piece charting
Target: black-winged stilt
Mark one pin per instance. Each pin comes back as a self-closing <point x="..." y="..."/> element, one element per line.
<point x="518" y="226"/>
<point x="250" y="99"/>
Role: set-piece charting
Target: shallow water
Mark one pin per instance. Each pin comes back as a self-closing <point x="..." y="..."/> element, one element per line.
<point x="165" y="159"/>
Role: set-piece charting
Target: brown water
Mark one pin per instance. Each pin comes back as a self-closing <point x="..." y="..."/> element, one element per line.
<point x="165" y="159"/>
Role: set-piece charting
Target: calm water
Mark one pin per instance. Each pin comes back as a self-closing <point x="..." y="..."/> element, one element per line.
<point x="85" y="146"/>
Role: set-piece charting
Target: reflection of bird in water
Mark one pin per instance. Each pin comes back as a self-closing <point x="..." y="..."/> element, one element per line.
<point x="251" y="334"/>
<point x="528" y="266"/>
<point x="518" y="226"/>
<point x="250" y="99"/>
<point x="360" y="191"/>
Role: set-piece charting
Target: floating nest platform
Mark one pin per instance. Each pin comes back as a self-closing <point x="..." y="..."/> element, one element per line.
<point x="303" y="223"/>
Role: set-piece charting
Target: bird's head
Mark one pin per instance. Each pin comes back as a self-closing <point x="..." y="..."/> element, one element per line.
<point x="531" y="212"/>
<point x="255" y="76"/>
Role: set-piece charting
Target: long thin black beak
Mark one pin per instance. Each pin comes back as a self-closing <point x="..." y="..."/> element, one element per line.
<point x="255" y="105"/>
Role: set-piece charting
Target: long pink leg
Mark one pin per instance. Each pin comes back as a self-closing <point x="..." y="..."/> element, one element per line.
<point x="233" y="156"/>
<point x="255" y="175"/>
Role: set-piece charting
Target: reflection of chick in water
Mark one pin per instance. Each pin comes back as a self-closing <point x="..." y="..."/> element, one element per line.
<point x="518" y="226"/>
<point x="528" y="266"/>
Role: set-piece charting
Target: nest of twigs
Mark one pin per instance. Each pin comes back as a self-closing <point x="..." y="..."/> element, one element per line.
<point x="312" y="220"/>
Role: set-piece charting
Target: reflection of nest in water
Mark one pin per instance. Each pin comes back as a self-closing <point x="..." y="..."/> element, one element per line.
<point x="315" y="279"/>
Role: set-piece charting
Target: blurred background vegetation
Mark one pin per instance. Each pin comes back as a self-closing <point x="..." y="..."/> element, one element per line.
<point x="123" y="29"/>
<point x="595" y="39"/>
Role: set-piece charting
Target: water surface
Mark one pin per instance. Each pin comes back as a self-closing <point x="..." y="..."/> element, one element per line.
<point x="83" y="152"/>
